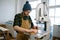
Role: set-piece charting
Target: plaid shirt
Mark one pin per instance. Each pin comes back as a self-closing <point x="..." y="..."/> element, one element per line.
<point x="18" y="20"/>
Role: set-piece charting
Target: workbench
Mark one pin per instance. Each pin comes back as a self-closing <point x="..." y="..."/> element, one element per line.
<point x="6" y="31"/>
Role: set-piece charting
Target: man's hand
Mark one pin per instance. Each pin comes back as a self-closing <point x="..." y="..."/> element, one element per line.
<point x="29" y="30"/>
<point x="32" y="31"/>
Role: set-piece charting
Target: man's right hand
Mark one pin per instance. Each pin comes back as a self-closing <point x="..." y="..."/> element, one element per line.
<point x="28" y="31"/>
<point x="31" y="31"/>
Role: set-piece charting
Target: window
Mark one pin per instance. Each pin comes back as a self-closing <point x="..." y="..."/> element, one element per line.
<point x="54" y="2"/>
<point x="57" y="16"/>
<point x="52" y="20"/>
<point x="51" y="15"/>
<point x="51" y="12"/>
<point x="57" y="20"/>
<point x="57" y="12"/>
<point x="51" y="2"/>
<point x="54" y="11"/>
<point x="57" y="2"/>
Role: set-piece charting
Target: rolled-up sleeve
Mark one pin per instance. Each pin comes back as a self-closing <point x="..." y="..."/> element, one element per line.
<point x="16" y="21"/>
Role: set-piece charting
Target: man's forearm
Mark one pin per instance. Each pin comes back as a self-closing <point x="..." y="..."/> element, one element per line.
<point x="20" y="29"/>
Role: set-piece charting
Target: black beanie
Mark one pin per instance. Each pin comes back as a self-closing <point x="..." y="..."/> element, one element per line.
<point x="27" y="6"/>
